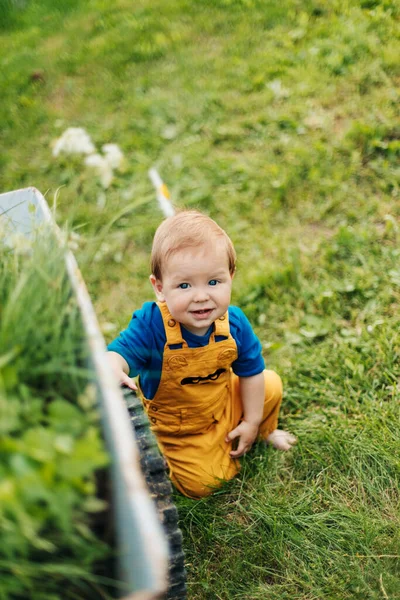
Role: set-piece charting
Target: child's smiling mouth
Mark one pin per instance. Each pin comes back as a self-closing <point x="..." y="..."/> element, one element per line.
<point x="202" y="313"/>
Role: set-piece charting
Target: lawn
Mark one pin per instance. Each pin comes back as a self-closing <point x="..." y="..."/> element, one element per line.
<point x="281" y="120"/>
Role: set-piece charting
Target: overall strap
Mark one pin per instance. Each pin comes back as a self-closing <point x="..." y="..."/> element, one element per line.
<point x="172" y="328"/>
<point x="221" y="326"/>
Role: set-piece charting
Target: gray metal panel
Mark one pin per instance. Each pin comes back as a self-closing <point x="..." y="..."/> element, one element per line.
<point x="21" y="210"/>
<point x="142" y="548"/>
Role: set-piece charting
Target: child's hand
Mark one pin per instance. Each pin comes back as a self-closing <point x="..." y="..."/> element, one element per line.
<point x="247" y="433"/>
<point x="121" y="368"/>
<point x="127" y="381"/>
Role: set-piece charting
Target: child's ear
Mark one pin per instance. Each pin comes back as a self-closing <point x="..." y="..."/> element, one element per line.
<point x="157" y="287"/>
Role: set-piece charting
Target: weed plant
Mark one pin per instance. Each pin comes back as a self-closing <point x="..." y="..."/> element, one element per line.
<point x="51" y="450"/>
<point x="279" y="119"/>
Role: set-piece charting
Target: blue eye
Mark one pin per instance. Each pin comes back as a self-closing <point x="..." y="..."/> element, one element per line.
<point x="183" y="286"/>
<point x="212" y="282"/>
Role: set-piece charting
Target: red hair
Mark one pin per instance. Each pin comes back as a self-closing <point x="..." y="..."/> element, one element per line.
<point x="187" y="229"/>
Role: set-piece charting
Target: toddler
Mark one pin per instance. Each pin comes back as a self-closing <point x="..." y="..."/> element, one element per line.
<point x="201" y="372"/>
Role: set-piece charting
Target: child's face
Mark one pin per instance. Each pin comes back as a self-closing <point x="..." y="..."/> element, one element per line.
<point x="196" y="285"/>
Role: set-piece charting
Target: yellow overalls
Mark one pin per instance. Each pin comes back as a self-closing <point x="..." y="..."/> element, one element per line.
<point x="198" y="403"/>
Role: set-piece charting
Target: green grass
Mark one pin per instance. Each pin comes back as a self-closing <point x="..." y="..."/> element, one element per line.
<point x="52" y="454"/>
<point x="280" y="119"/>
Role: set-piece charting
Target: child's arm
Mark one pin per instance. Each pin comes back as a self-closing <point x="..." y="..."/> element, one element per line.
<point x="252" y="392"/>
<point x="121" y="369"/>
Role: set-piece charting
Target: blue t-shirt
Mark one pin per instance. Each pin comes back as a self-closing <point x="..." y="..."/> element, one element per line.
<point x="142" y="345"/>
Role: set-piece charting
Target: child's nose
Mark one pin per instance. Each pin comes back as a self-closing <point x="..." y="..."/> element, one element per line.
<point x="201" y="295"/>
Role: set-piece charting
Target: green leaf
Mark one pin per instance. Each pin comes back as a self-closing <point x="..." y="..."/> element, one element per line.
<point x="5" y="359"/>
<point x="63" y="416"/>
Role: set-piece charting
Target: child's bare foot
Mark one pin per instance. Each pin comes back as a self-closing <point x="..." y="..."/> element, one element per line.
<point x="282" y="440"/>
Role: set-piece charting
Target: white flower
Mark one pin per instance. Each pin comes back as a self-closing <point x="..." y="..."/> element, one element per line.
<point x="102" y="167"/>
<point x="170" y="132"/>
<point x="74" y="140"/>
<point x="113" y="155"/>
<point x="277" y="89"/>
<point x="315" y="120"/>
